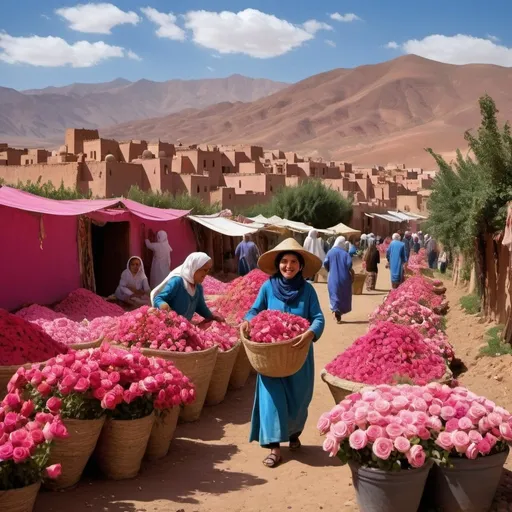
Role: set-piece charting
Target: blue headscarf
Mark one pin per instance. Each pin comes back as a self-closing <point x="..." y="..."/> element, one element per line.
<point x="287" y="290"/>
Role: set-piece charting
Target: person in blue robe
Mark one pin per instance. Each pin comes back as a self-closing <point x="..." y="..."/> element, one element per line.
<point x="281" y="404"/>
<point x="247" y="254"/>
<point x="338" y="263"/>
<point x="397" y="258"/>
<point x="182" y="291"/>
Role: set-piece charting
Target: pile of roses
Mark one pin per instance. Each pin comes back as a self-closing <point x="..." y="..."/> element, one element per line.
<point x="417" y="262"/>
<point x="212" y="286"/>
<point x="83" y="304"/>
<point x="25" y="438"/>
<point x="387" y="354"/>
<point x="85" y="384"/>
<point x="38" y="314"/>
<point x="417" y="289"/>
<point x="239" y="296"/>
<point x="22" y="342"/>
<point x="271" y="326"/>
<point x="401" y="427"/>
<point x="221" y="335"/>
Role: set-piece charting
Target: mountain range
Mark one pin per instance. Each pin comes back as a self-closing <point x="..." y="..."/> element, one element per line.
<point x="373" y="114"/>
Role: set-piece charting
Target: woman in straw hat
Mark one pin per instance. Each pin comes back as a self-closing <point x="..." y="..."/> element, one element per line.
<point x="281" y="404"/>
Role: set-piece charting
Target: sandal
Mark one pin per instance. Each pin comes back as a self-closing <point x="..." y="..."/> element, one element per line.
<point x="295" y="445"/>
<point x="272" y="460"/>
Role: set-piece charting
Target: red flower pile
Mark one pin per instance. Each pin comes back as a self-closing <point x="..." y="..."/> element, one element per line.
<point x="419" y="290"/>
<point x="212" y="286"/>
<point x="22" y="342"/>
<point x="222" y="335"/>
<point x="388" y="353"/>
<point x="82" y="304"/>
<point x="271" y="326"/>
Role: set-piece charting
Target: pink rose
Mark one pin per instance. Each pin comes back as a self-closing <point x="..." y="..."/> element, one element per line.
<point x="495" y="419"/>
<point x="460" y="440"/>
<point x="435" y="423"/>
<point x="20" y="454"/>
<point x="484" y="447"/>
<point x="382" y="448"/>
<point x="484" y="425"/>
<point x="54" y="404"/>
<point x="37" y="436"/>
<point x="339" y="430"/>
<point x="402" y="444"/>
<point x="492" y="440"/>
<point x="324" y="423"/>
<point x="472" y="451"/>
<point x="416" y="456"/>
<point x="434" y="410"/>
<point x="423" y="433"/>
<point x="452" y="425"/>
<point x="54" y="471"/>
<point x="58" y="429"/>
<point x="6" y="450"/>
<point x="506" y="431"/>
<point x="444" y="440"/>
<point x="474" y="436"/>
<point x="27" y="408"/>
<point x="373" y="432"/>
<point x="393" y="430"/>
<point x="18" y="436"/>
<point x="465" y="423"/>
<point x="447" y="412"/>
<point x="336" y="412"/>
<point x="82" y="385"/>
<point x="12" y="400"/>
<point x="331" y="445"/>
<point x="109" y="401"/>
<point x="358" y="439"/>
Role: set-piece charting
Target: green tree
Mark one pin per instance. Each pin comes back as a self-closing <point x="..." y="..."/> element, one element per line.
<point x="49" y="190"/>
<point x="311" y="202"/>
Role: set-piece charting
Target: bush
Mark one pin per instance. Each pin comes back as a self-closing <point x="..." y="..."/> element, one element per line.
<point x="312" y="203"/>
<point x="49" y="191"/>
<point x="495" y="346"/>
<point x="470" y="304"/>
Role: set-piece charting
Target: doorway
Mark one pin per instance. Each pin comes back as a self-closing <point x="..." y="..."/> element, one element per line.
<point x="111" y="250"/>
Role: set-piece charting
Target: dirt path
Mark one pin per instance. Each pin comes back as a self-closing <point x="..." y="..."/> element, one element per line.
<point x="212" y="467"/>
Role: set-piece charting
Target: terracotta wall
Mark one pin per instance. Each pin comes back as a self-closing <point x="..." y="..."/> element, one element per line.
<point x="66" y="173"/>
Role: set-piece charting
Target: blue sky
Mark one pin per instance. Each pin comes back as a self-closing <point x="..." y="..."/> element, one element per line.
<point x="57" y="42"/>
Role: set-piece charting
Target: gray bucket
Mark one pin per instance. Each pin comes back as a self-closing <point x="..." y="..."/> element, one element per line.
<point x="470" y="485"/>
<point x="389" y="491"/>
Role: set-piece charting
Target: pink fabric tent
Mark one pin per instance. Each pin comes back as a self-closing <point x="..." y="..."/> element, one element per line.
<point x="38" y="240"/>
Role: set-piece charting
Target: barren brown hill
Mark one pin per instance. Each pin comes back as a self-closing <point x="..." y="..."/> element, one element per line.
<point x="380" y="113"/>
<point x="41" y="116"/>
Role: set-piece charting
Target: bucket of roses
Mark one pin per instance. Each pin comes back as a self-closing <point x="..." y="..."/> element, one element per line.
<point x="170" y="336"/>
<point x="387" y="354"/>
<point x="141" y="385"/>
<point x="269" y="343"/>
<point x="383" y="437"/>
<point x="472" y="436"/>
<point x="24" y="452"/>
<point x="70" y="385"/>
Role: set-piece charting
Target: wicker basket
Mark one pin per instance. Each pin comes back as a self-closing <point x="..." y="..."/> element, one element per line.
<point x="74" y="451"/>
<point x="358" y="284"/>
<point x="198" y="367"/>
<point x="275" y="359"/>
<point x="341" y="388"/>
<point x="241" y="370"/>
<point x="122" y="445"/>
<point x="6" y="373"/>
<point x="84" y="346"/>
<point x="19" y="500"/>
<point x="162" y="433"/>
<point x="221" y="375"/>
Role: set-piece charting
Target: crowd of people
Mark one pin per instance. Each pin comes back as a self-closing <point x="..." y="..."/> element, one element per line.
<point x="280" y="404"/>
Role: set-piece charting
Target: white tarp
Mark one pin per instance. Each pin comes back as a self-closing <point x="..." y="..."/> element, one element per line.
<point x="342" y="229"/>
<point x="288" y="224"/>
<point x="405" y="216"/>
<point x="226" y="226"/>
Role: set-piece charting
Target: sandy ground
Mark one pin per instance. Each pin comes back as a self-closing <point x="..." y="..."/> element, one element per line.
<point x="212" y="467"/>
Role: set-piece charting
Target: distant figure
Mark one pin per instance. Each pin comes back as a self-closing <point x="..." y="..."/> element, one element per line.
<point x="421" y="239"/>
<point x="443" y="262"/>
<point x="314" y="245"/>
<point x="416" y="246"/>
<point x="161" y="264"/>
<point x="372" y="260"/>
<point x="407" y="241"/>
<point x="133" y="286"/>
<point x="352" y="249"/>
<point x="396" y="259"/>
<point x="247" y="254"/>
<point x="431" y="248"/>
<point x="339" y="283"/>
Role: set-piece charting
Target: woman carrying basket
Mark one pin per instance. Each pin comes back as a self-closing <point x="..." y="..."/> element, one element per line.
<point x="281" y="404"/>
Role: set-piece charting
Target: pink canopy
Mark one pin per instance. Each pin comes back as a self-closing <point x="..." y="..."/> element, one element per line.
<point x="21" y="200"/>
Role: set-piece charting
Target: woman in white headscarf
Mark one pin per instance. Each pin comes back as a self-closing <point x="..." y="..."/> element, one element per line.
<point x="133" y="286"/>
<point x="314" y="245"/>
<point x="182" y="290"/>
<point x="161" y="263"/>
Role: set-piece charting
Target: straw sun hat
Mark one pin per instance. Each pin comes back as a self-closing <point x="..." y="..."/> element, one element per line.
<point x="312" y="263"/>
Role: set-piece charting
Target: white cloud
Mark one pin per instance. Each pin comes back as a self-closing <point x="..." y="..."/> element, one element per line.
<point x="96" y="18"/>
<point x="392" y="45"/>
<point x="314" y="26"/>
<point x="215" y="56"/>
<point x="459" y="49"/>
<point x="250" y="32"/>
<point x="166" y="23"/>
<point x="54" y="51"/>
<point x="209" y="68"/>
<point x="330" y="43"/>
<point x="345" y="18"/>
<point x="493" y="38"/>
<point x="45" y="16"/>
<point x="132" y="55"/>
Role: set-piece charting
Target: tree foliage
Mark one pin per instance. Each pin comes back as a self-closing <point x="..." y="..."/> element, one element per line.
<point x="311" y="202"/>
<point x="49" y="190"/>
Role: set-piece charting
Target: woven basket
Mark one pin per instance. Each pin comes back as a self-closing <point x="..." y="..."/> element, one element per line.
<point x="122" y="445"/>
<point x="84" y="346"/>
<point x="6" y="372"/>
<point x="74" y="451"/>
<point x="162" y="433"/>
<point x="358" y="284"/>
<point x="198" y="367"/>
<point x="241" y="370"/>
<point x="275" y="359"/>
<point x="341" y="388"/>
<point x="19" y="500"/>
<point x="221" y="375"/>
